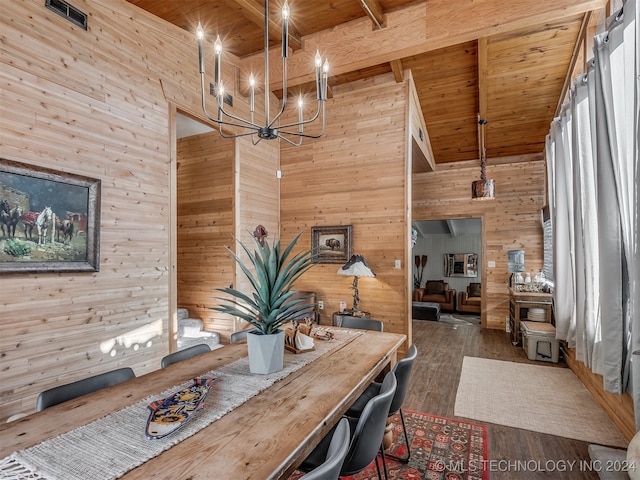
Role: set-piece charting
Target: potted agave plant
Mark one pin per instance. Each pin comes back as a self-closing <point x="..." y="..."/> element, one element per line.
<point x="272" y="272"/>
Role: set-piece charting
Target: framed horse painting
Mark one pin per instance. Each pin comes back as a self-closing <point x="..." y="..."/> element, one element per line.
<point x="49" y="220"/>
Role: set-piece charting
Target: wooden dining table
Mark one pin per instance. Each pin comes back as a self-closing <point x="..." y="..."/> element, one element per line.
<point x="266" y="437"/>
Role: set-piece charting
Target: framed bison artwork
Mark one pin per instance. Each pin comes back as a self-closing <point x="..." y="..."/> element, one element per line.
<point x="331" y="244"/>
<point x="49" y="220"/>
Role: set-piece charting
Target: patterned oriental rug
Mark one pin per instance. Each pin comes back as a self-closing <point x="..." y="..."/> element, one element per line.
<point x="441" y="449"/>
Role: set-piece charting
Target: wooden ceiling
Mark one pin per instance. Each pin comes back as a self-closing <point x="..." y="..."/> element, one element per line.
<point x="510" y="62"/>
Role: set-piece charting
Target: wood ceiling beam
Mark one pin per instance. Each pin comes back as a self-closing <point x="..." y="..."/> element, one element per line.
<point x="255" y="14"/>
<point x="398" y="71"/>
<point x="580" y="43"/>
<point x="374" y="11"/>
<point x="417" y="28"/>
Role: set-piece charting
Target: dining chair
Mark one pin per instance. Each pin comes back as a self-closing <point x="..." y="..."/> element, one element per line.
<point x="366" y="435"/>
<point x="181" y="355"/>
<point x="402" y="371"/>
<point x="338" y="448"/>
<point x="238" y="336"/>
<point x="62" y="393"/>
<point x="362" y="323"/>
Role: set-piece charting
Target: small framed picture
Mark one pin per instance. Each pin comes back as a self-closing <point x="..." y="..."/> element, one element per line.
<point x="331" y="244"/>
<point x="49" y="220"/>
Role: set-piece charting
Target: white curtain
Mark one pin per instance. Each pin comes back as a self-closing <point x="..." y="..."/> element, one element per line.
<point x="592" y="155"/>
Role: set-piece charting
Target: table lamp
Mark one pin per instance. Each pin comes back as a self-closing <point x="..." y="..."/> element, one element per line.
<point x="356" y="267"/>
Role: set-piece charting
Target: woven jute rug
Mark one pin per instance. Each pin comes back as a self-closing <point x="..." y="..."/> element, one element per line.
<point x="441" y="449"/>
<point x="539" y="398"/>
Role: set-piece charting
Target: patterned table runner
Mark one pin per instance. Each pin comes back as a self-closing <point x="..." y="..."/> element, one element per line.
<point x="112" y="445"/>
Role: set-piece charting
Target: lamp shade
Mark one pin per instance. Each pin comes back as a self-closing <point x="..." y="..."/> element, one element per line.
<point x="356" y="267"/>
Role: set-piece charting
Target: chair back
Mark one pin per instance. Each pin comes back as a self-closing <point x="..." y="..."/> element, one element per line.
<point x="362" y="323"/>
<point x="62" y="393"/>
<point x="181" y="355"/>
<point x="369" y="430"/>
<point x="338" y="448"/>
<point x="402" y="370"/>
<point x="236" y="337"/>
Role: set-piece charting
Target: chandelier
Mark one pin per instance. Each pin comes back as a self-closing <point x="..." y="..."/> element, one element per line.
<point x="485" y="188"/>
<point x="292" y="133"/>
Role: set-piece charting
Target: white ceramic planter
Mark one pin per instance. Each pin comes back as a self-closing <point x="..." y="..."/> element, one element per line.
<point x="266" y="352"/>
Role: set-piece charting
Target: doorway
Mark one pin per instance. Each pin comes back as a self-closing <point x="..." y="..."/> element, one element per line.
<point x="454" y="250"/>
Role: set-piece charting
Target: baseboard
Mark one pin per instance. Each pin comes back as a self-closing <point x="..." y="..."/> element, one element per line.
<point x="618" y="407"/>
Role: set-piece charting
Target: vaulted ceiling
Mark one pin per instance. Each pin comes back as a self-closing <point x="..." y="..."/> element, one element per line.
<point x="509" y="62"/>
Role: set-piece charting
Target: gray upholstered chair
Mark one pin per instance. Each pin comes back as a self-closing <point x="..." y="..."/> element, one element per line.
<point x="338" y="448"/>
<point x="362" y="323"/>
<point x="62" y="393"/>
<point x="181" y="355"/>
<point x="236" y="337"/>
<point x="402" y="371"/>
<point x="366" y="435"/>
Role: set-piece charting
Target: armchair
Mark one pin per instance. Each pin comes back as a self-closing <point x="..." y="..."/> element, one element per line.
<point x="436" y="291"/>
<point x="470" y="301"/>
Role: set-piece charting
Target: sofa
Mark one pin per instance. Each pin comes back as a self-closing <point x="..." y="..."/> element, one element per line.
<point x="470" y="301"/>
<point x="436" y="291"/>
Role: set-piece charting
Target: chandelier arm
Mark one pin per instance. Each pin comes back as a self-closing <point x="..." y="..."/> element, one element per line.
<point x="222" y="122"/>
<point x="295" y="144"/>
<point x="305" y="135"/>
<point x="321" y="107"/>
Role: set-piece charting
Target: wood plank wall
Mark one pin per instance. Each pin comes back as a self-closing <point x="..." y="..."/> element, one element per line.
<point x="91" y="103"/>
<point x="225" y="189"/>
<point x="355" y="175"/>
<point x="206" y="223"/>
<point x="511" y="221"/>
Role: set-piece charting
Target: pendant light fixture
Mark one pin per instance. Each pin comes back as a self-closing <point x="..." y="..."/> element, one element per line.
<point x="292" y="133"/>
<point x="485" y="188"/>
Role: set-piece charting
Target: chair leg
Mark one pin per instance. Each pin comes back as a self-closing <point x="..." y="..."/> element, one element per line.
<point x="384" y="462"/>
<point x="378" y="469"/>
<point x="406" y="441"/>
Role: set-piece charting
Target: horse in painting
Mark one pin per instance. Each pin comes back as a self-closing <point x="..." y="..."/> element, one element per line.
<point x="9" y="217"/>
<point x="42" y="223"/>
<point x="64" y="229"/>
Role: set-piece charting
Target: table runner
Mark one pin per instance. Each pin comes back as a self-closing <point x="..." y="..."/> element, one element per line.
<point x="109" y="447"/>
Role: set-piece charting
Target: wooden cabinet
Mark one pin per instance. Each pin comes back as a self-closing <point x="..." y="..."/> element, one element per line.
<point x="519" y="305"/>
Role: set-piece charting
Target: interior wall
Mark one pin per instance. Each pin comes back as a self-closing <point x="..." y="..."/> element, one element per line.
<point x="91" y="103"/>
<point x="435" y="246"/>
<point x="512" y="220"/>
<point x="206" y="223"/>
<point x="356" y="175"/>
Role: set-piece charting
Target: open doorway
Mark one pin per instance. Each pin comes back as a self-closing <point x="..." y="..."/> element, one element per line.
<point x="447" y="267"/>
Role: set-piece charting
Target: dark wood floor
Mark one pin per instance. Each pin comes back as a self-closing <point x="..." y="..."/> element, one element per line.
<point x="515" y="454"/>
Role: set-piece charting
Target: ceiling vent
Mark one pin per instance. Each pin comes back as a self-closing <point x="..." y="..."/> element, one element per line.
<point x="69" y="12"/>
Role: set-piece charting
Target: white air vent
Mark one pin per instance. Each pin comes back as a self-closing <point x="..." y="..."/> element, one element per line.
<point x="69" y="12"/>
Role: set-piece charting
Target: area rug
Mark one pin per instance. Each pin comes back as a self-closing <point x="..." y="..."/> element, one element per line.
<point x="539" y="398"/>
<point x="441" y="449"/>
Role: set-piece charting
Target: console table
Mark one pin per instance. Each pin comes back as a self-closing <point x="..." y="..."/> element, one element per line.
<point x="519" y="301"/>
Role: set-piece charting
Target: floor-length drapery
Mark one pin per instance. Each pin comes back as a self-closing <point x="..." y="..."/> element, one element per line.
<point x="592" y="154"/>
